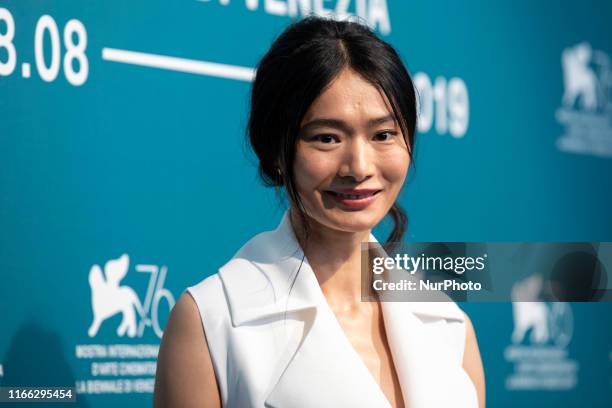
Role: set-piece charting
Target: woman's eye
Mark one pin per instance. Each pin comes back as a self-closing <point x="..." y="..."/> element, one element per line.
<point x="326" y="139"/>
<point x="385" y="136"/>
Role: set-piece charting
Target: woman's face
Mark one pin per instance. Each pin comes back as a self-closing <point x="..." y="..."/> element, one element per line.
<point x="351" y="157"/>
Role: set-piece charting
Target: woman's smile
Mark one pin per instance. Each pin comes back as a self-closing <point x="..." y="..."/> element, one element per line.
<point x="354" y="199"/>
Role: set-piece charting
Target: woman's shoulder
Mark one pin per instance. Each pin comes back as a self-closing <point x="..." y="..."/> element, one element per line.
<point x="209" y="287"/>
<point x="254" y="276"/>
<point x="240" y="268"/>
<point x="185" y="375"/>
<point x="209" y="299"/>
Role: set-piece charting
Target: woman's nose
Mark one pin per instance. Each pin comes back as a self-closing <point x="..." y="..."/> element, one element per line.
<point x="357" y="161"/>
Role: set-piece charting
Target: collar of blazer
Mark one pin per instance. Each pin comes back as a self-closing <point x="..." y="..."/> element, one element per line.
<point x="258" y="280"/>
<point x="258" y="285"/>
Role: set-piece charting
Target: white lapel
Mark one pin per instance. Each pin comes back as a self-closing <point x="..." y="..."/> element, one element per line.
<point x="319" y="367"/>
<point x="426" y="368"/>
<point x="428" y="372"/>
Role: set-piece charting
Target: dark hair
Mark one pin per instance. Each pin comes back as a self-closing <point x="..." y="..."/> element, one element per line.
<point x="301" y="62"/>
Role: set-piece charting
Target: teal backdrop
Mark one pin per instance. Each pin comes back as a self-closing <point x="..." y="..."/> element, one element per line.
<point x="122" y="141"/>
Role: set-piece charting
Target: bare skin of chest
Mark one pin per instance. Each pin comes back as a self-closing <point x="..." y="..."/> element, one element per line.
<point x="366" y="332"/>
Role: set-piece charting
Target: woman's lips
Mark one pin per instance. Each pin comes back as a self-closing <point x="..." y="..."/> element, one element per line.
<point x="354" y="199"/>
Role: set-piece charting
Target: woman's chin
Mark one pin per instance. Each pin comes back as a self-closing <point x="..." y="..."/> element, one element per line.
<point x="353" y="221"/>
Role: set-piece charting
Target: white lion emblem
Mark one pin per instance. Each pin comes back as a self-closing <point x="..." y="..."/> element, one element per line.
<point x="108" y="298"/>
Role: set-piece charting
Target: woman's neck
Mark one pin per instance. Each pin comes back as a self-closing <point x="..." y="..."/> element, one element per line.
<point x="335" y="257"/>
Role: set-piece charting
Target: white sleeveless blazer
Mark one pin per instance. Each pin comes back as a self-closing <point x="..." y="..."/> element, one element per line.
<point x="272" y="348"/>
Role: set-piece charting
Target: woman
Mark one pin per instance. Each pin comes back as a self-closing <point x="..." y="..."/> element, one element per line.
<point x="282" y="324"/>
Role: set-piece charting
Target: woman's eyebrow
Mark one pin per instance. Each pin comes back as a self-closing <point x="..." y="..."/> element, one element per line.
<point x="381" y="120"/>
<point x="342" y="125"/>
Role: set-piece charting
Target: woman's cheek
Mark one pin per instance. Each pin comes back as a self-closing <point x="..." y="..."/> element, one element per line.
<point x="314" y="168"/>
<point x="395" y="165"/>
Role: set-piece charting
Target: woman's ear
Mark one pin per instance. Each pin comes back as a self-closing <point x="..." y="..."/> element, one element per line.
<point x="278" y="168"/>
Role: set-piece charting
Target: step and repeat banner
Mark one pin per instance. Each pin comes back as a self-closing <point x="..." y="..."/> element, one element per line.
<point x="125" y="176"/>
